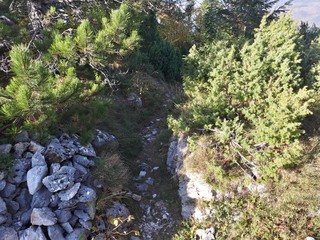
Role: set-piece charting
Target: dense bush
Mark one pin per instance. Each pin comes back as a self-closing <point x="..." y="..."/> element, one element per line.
<point x="252" y="99"/>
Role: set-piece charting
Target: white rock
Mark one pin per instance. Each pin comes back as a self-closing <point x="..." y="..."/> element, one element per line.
<point x="34" y="178"/>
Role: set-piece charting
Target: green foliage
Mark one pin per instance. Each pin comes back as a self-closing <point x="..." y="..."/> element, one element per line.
<point x="249" y="96"/>
<point x="6" y="161"/>
<point x="165" y="57"/>
<point x="34" y="94"/>
<point x="236" y="18"/>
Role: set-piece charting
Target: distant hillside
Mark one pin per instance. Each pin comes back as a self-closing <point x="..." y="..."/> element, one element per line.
<point x="307" y="10"/>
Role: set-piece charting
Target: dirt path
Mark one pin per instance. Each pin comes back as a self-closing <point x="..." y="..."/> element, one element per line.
<point x="158" y="212"/>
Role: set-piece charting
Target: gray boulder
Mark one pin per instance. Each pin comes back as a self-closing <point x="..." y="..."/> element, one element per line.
<point x="33" y="233"/>
<point x="81" y="172"/>
<point x="5" y="148"/>
<point x="8" y="233"/>
<point x="56" y="152"/>
<point x="62" y="179"/>
<point x="34" y="178"/>
<point x="87" y="151"/>
<point x="86" y="194"/>
<point x="55" y="232"/>
<point x="68" y="194"/>
<point x="41" y="198"/>
<point x="78" y="233"/>
<point x="43" y="216"/>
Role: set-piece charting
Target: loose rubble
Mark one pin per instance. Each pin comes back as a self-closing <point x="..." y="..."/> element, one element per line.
<point x="50" y="193"/>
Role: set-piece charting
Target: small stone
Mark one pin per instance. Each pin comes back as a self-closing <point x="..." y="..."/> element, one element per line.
<point x="3" y="174"/>
<point x="41" y="198"/>
<point x="78" y="233"/>
<point x="54" y="168"/>
<point x="3" y="206"/>
<point x="25" y="217"/>
<point x="154" y="195"/>
<point x="86" y="224"/>
<point x="43" y="216"/>
<point x="5" y="148"/>
<point x="142" y="187"/>
<point x="35" y="147"/>
<point x="19" y="170"/>
<point x="12" y="206"/>
<point x="33" y="233"/>
<point x="54" y="201"/>
<point x="67" y="227"/>
<point x="104" y="140"/>
<point x="8" y="233"/>
<point x="68" y="204"/>
<point x="2" y="184"/>
<point x="118" y="210"/>
<point x="55" y="152"/>
<point x="3" y="218"/>
<point x="24" y="199"/>
<point x="34" y="178"/>
<point x="84" y="161"/>
<point x="82" y="215"/>
<point x="62" y="179"/>
<point x="8" y="190"/>
<point x="87" y="151"/>
<point x="155" y="168"/>
<point x="63" y="215"/>
<point x="142" y="173"/>
<point x="86" y="194"/>
<point x="68" y="194"/>
<point x="73" y="220"/>
<point x="38" y="160"/>
<point x="20" y="148"/>
<point x="81" y="172"/>
<point x="205" y="234"/>
<point x="55" y="232"/>
<point x="150" y="181"/>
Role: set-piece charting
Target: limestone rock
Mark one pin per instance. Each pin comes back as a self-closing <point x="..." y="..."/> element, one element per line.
<point x="86" y="224"/>
<point x="62" y="179"/>
<point x="41" y="198"/>
<point x="20" y="148"/>
<point x="38" y="160"/>
<point x="86" y="194"/>
<point x="3" y="206"/>
<point x="5" y="148"/>
<point x="205" y="234"/>
<point x="25" y="217"/>
<point x="8" y="190"/>
<point x="56" y="152"/>
<point x="82" y="215"/>
<point x="63" y="215"/>
<point x="67" y="227"/>
<point x="35" y="147"/>
<point x="55" y="232"/>
<point x="33" y="233"/>
<point x="43" y="216"/>
<point x="104" y="140"/>
<point x="8" y="233"/>
<point x="68" y="194"/>
<point x="34" y="178"/>
<point x="84" y="161"/>
<point x="87" y="151"/>
<point x="20" y="168"/>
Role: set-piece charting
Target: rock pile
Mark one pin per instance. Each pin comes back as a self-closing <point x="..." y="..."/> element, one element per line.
<point x="48" y="194"/>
